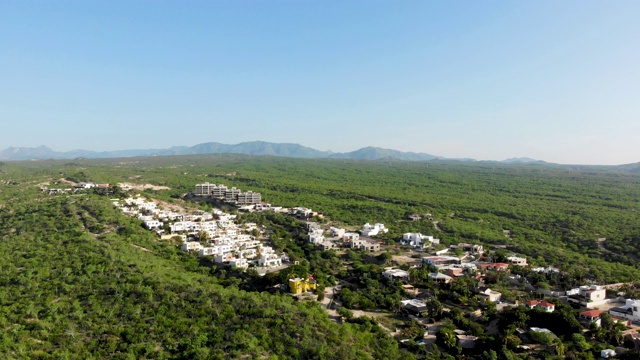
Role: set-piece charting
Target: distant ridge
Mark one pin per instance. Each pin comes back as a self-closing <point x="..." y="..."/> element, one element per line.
<point x="262" y="148"/>
<point x="249" y="148"/>
<point x="375" y="153"/>
<point x="257" y="148"/>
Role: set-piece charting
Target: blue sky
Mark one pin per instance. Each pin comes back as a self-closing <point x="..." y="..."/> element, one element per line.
<point x="552" y="80"/>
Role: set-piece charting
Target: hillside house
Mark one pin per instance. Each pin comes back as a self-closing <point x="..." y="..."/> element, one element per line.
<point x="316" y="236"/>
<point x="493" y="266"/>
<point x="590" y="317"/>
<point x="191" y="246"/>
<point x="470" y="248"/>
<point x="395" y="274"/>
<point x="515" y="260"/>
<point x="417" y="240"/>
<point x="587" y="296"/>
<point x="415" y="307"/>
<point x="540" y="304"/>
<point x="300" y="285"/>
<point x="270" y="260"/>
<point x="239" y="263"/>
<point x="153" y="224"/>
<point x="438" y="261"/>
<point x="351" y="237"/>
<point x="208" y="251"/>
<point x="313" y="226"/>
<point x="487" y="294"/>
<point x="630" y="310"/>
<point x="373" y="230"/>
<point x="361" y="244"/>
<point x="336" y="232"/>
<point x="326" y="245"/>
<point x="440" y="278"/>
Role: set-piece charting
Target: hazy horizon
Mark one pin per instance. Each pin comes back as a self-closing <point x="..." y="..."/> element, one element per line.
<point x="553" y="81"/>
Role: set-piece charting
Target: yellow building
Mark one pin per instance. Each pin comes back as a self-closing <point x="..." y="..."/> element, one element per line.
<point x="300" y="285"/>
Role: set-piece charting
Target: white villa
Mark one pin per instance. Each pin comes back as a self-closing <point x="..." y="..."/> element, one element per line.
<point x="395" y="274"/>
<point x="336" y="232"/>
<point x="270" y="260"/>
<point x="588" y="296"/>
<point x="418" y="240"/>
<point x="630" y="310"/>
<point x="316" y="236"/>
<point x="515" y="260"/>
<point x="373" y="230"/>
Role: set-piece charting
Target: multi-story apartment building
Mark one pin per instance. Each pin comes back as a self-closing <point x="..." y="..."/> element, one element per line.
<point x="249" y="197"/>
<point x="232" y="194"/>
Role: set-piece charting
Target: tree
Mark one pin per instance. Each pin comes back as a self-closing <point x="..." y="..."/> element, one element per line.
<point x="435" y="308"/>
<point x="447" y="339"/>
<point x="345" y="313"/>
<point x="580" y="342"/>
<point x="384" y="257"/>
<point x="203" y="236"/>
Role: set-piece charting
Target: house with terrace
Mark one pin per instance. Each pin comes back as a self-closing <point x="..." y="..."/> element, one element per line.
<point x="419" y="241"/>
<point x="515" y="260"/>
<point x="540" y="304"/>
<point x="590" y="317"/>
<point x="395" y="274"/>
<point x="439" y="261"/>
<point x="630" y="310"/>
<point x="373" y="230"/>
<point x="588" y="296"/>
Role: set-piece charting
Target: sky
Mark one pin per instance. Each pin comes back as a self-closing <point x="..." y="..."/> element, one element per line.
<point x="552" y="80"/>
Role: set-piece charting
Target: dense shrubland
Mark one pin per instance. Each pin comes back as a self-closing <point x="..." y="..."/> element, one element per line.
<point x="75" y="287"/>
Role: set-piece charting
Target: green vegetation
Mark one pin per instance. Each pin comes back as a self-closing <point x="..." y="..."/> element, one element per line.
<point x="76" y="287"/>
<point x="69" y="266"/>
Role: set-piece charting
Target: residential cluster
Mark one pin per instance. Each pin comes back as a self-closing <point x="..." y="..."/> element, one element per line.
<point x="341" y="238"/>
<point x="214" y="234"/>
<point x="75" y="188"/>
<point x="447" y="268"/>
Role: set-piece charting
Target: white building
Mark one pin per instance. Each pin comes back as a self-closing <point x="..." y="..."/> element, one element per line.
<point x="191" y="246"/>
<point x="438" y="261"/>
<point x="181" y="226"/>
<point x="336" y="232"/>
<point x="395" y="274"/>
<point x="515" y="260"/>
<point x="630" y="310"/>
<point x="418" y="240"/>
<point x="224" y="258"/>
<point x="208" y="251"/>
<point x="249" y="197"/>
<point x="208" y="226"/>
<point x="373" y="230"/>
<point x="472" y="248"/>
<point x="247" y="254"/>
<point x="588" y="296"/>
<point x="315" y="236"/>
<point x="239" y="263"/>
<point x="351" y="237"/>
<point x="270" y="260"/>
<point x="153" y="224"/>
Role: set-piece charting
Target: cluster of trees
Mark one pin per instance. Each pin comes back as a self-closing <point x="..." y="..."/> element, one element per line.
<point x="75" y="287"/>
<point x="69" y="267"/>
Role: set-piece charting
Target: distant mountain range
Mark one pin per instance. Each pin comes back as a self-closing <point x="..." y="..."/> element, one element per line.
<point x="249" y="148"/>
